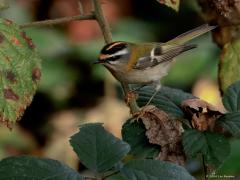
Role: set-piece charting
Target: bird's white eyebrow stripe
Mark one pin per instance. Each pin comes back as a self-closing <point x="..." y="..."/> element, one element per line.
<point x="122" y="52"/>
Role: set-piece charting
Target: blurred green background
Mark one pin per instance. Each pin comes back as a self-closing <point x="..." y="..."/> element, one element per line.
<point x="73" y="90"/>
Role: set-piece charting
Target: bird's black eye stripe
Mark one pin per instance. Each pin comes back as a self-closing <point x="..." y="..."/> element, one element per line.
<point x="113" y="47"/>
<point x="113" y="58"/>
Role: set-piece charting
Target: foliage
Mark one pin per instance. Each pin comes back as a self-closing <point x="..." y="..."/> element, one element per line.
<point x="229" y="69"/>
<point x="101" y="152"/>
<point x="214" y="147"/>
<point x="20" y="72"/>
<point x="105" y="155"/>
<point x="27" y="167"/>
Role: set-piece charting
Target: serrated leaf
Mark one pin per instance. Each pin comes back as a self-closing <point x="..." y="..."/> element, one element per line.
<point x="19" y="72"/>
<point x="174" y="4"/>
<point x="214" y="147"/>
<point x="231" y="98"/>
<point x="28" y="168"/>
<point x="97" y="149"/>
<point x="229" y="68"/>
<point x="167" y="99"/>
<point x="134" y="134"/>
<point x="153" y="170"/>
<point x="231" y="123"/>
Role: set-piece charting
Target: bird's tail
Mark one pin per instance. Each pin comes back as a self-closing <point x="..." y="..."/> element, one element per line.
<point x="187" y="36"/>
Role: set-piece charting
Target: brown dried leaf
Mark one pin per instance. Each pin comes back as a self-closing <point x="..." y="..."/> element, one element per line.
<point x="202" y="114"/>
<point x="225" y="13"/>
<point x="163" y="131"/>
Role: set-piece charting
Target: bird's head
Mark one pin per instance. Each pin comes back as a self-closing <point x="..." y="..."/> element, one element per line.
<point x="115" y="53"/>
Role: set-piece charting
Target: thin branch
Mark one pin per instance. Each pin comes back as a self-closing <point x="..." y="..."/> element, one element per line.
<point x="58" y="21"/>
<point x="108" y="39"/>
<point x="132" y="101"/>
<point x="102" y="21"/>
<point x="80" y="7"/>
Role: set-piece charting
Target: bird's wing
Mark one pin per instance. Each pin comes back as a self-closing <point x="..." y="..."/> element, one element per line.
<point x="159" y="55"/>
<point x="189" y="35"/>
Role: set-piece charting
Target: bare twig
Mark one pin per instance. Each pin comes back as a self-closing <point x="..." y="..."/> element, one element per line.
<point x="108" y="39"/>
<point x="132" y="101"/>
<point x="80" y="7"/>
<point x="58" y="21"/>
<point x="102" y="21"/>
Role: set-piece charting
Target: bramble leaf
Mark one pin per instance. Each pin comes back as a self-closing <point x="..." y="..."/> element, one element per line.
<point x="19" y="71"/>
<point x="28" y="167"/>
<point x="154" y="169"/>
<point x="134" y="134"/>
<point x="231" y="123"/>
<point x="167" y="99"/>
<point x="231" y="97"/>
<point x="214" y="147"/>
<point x="97" y="149"/>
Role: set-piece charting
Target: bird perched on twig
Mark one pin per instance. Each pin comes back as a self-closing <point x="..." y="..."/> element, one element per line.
<point x="146" y="63"/>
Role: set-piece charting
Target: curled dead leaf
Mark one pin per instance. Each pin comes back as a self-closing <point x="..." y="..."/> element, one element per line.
<point x="201" y="114"/>
<point x="163" y="131"/>
<point x="225" y="13"/>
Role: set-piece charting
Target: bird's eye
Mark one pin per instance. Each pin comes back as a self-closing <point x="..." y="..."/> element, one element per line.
<point x="113" y="58"/>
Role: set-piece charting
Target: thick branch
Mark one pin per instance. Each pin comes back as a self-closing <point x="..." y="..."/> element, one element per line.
<point x="58" y="21"/>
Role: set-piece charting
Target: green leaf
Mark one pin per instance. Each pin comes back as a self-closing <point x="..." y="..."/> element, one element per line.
<point x="231" y="98"/>
<point x="19" y="71"/>
<point x="174" y="4"/>
<point x="167" y="99"/>
<point x="231" y="123"/>
<point x="115" y="177"/>
<point x="28" y="168"/>
<point x="97" y="149"/>
<point x="134" y="134"/>
<point x="214" y="147"/>
<point x="229" y="68"/>
<point x="153" y="170"/>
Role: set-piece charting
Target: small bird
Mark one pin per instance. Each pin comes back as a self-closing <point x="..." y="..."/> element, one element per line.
<point x="146" y="63"/>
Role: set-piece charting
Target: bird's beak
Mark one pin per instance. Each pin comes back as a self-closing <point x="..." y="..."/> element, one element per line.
<point x="98" y="62"/>
<point x="101" y="59"/>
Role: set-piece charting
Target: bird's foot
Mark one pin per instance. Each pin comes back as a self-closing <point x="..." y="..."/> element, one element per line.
<point x="130" y="96"/>
<point x="142" y="112"/>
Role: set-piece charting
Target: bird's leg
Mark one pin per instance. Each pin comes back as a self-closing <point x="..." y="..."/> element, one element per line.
<point x="138" y="88"/>
<point x="157" y="88"/>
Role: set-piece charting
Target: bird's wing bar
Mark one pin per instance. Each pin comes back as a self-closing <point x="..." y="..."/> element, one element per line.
<point x="168" y="55"/>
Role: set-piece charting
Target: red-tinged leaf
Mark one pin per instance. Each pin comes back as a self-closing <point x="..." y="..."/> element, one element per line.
<point x="20" y="72"/>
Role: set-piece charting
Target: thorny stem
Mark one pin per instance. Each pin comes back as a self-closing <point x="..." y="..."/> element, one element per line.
<point x="105" y="28"/>
<point x="58" y="21"/>
<point x="132" y="103"/>
<point x="108" y="39"/>
<point x="102" y="21"/>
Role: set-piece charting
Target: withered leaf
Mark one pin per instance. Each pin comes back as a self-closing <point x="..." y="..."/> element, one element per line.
<point x="163" y="131"/>
<point x="201" y="114"/>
